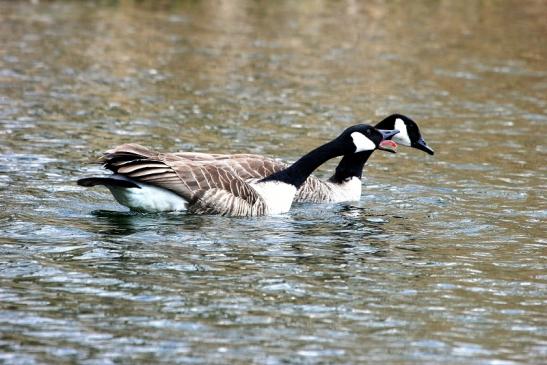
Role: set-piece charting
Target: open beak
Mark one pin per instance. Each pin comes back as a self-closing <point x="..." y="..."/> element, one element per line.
<point x="421" y="145"/>
<point x="388" y="133"/>
<point x="387" y="144"/>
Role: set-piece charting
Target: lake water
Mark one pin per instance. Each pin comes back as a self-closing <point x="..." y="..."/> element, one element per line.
<point x="442" y="261"/>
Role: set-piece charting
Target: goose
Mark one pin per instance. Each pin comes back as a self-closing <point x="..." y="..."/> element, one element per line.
<point x="148" y="181"/>
<point x="343" y="185"/>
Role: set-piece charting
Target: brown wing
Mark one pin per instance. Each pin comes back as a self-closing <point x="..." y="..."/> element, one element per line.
<point x="208" y="187"/>
<point x="314" y="190"/>
<point x="249" y="166"/>
<point x="246" y="166"/>
<point x="201" y="156"/>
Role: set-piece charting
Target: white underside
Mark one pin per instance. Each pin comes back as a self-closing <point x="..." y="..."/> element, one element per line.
<point x="347" y="191"/>
<point x="277" y="195"/>
<point x="148" y="198"/>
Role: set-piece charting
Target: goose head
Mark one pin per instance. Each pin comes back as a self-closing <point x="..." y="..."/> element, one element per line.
<point x="354" y="141"/>
<point x="361" y="141"/>
<point x="409" y="135"/>
<point x="365" y="138"/>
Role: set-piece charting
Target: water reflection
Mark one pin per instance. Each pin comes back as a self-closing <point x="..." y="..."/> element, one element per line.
<point x="121" y="223"/>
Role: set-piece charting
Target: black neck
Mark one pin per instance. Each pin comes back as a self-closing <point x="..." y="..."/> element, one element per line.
<point x="385" y="124"/>
<point x="350" y="166"/>
<point x="299" y="171"/>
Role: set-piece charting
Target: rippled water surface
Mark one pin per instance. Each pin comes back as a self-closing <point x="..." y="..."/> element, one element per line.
<point x="442" y="261"/>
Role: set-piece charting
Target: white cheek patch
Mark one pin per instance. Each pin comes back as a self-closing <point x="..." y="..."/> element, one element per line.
<point x="362" y="143"/>
<point x="402" y="137"/>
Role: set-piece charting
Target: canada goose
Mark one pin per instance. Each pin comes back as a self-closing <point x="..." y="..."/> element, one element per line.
<point x="343" y="185"/>
<point x="148" y="181"/>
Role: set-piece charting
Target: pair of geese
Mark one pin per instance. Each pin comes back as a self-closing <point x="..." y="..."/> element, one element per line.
<point x="246" y="184"/>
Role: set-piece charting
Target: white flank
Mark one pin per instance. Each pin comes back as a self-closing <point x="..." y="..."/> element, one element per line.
<point x="148" y="198"/>
<point x="277" y="195"/>
<point x="347" y="191"/>
<point x="362" y="143"/>
<point x="402" y="137"/>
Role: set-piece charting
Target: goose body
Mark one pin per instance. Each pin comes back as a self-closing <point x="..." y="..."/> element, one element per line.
<point x="343" y="185"/>
<point x="148" y="181"/>
<point x="314" y="190"/>
<point x="148" y="198"/>
<point x="145" y="180"/>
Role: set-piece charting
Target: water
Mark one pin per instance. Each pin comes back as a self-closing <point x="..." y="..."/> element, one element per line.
<point x="442" y="261"/>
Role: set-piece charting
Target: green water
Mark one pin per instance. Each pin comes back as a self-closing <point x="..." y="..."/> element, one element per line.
<point x="442" y="261"/>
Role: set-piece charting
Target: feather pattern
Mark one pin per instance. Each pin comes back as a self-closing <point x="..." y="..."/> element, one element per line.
<point x="239" y="185"/>
<point x="212" y="183"/>
<point x="249" y="166"/>
<point x="209" y="187"/>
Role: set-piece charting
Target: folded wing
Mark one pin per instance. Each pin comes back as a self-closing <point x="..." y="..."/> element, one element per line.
<point x="249" y="166"/>
<point x="208" y="186"/>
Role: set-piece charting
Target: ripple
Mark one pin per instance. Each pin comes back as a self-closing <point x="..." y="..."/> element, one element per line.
<point x="442" y="260"/>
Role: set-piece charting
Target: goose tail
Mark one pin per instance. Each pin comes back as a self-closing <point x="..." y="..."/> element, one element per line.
<point x="126" y="153"/>
<point x="113" y="180"/>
